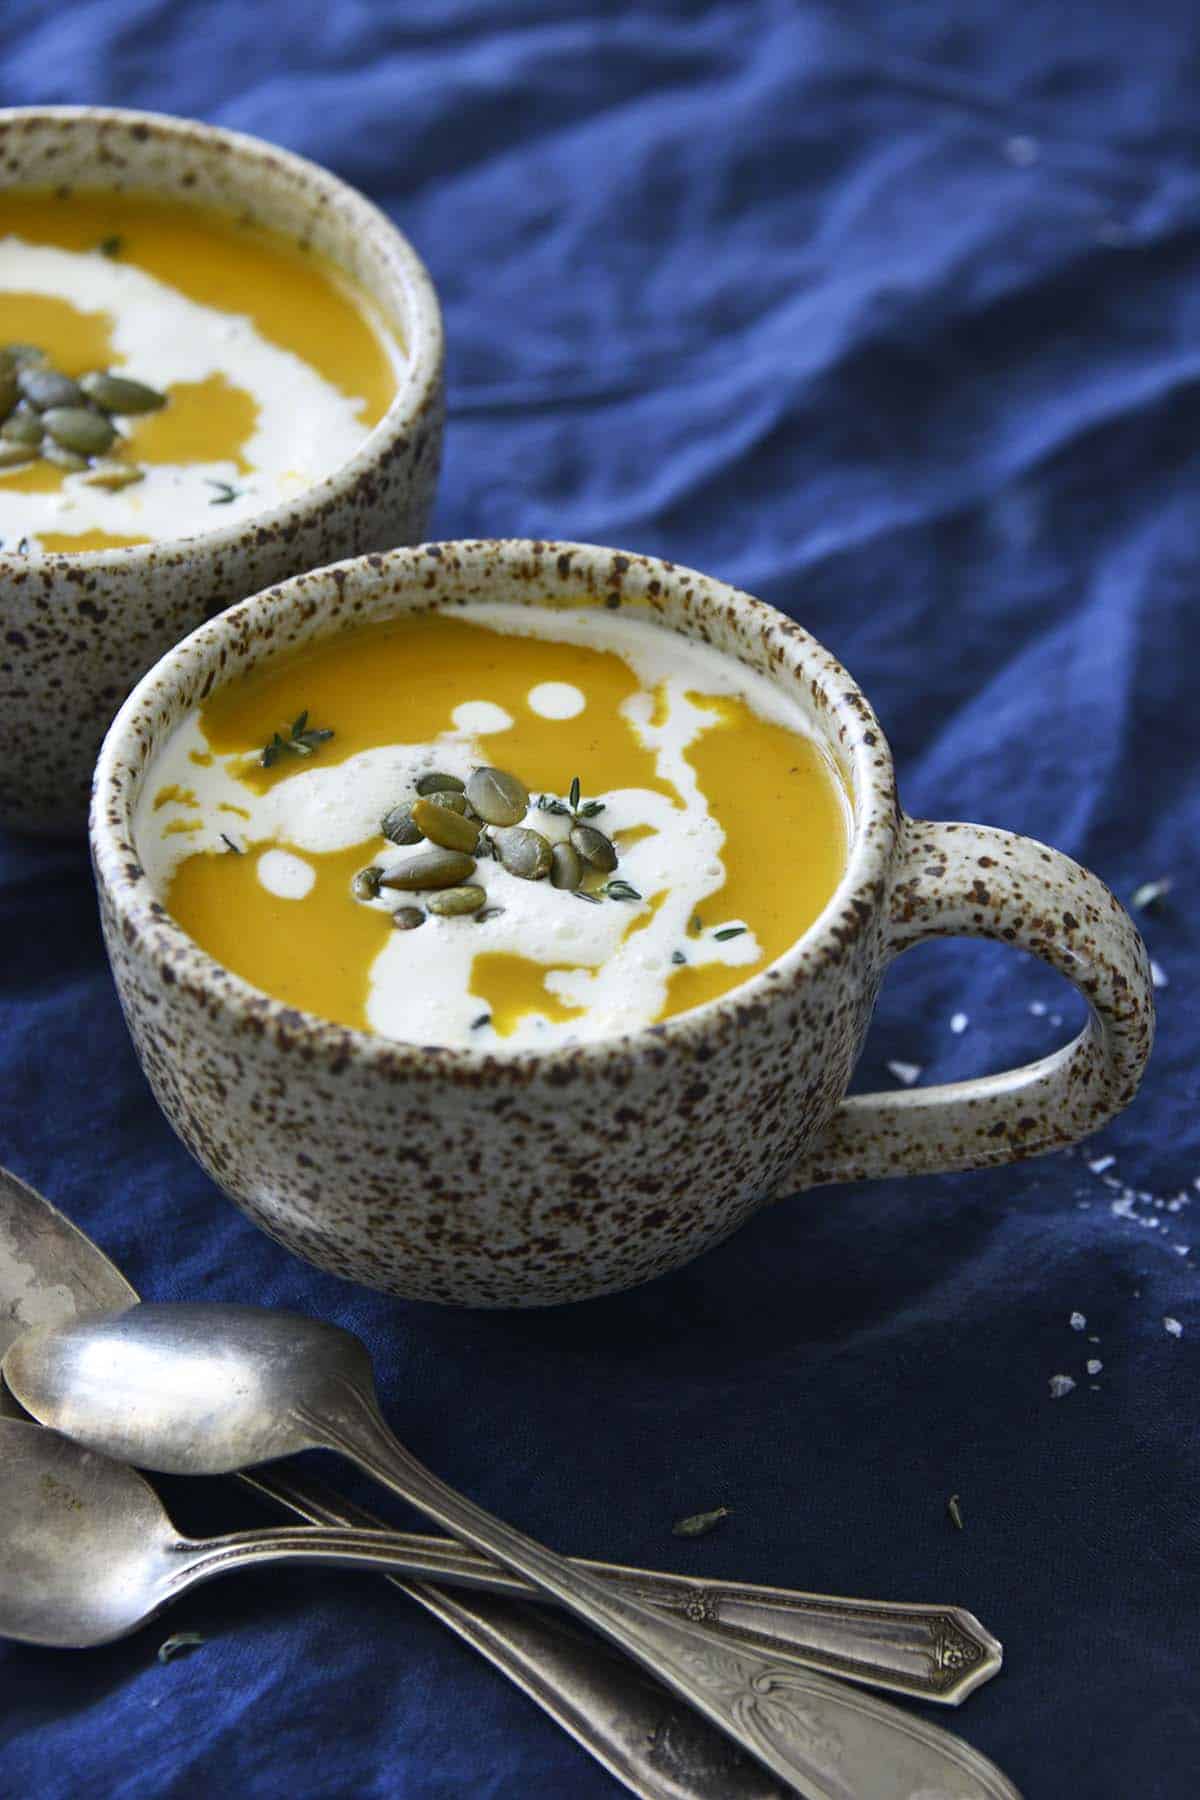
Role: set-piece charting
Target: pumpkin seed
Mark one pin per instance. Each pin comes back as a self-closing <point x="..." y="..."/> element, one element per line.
<point x="12" y="455"/>
<point x="436" y="783"/>
<point x="16" y="356"/>
<point x="46" y="388"/>
<point x="23" y="426"/>
<point x="498" y="798"/>
<point x="453" y="903"/>
<point x="523" y="852"/>
<point x="397" y="825"/>
<point x="78" y="428"/>
<point x="456" y="803"/>
<point x="365" y="885"/>
<point x="63" y="459"/>
<point x="118" y="394"/>
<point x="442" y="825"/>
<point x="113" y="475"/>
<point x="594" y="847"/>
<point x="432" y="869"/>
<point x="407" y="918"/>
<point x="9" y="392"/>
<point x="566" y="870"/>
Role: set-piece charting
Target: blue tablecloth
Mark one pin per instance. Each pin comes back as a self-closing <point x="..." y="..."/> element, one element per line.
<point x="890" y="315"/>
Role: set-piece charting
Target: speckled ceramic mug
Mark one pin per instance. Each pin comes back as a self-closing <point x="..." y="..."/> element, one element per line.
<point x="77" y="630"/>
<point x="537" y="1176"/>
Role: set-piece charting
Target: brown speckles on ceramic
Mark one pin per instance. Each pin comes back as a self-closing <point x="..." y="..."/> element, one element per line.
<point x="541" y="1176"/>
<point x="76" y="631"/>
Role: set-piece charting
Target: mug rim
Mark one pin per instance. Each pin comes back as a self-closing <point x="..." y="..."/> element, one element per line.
<point x="179" y="960"/>
<point x="424" y="344"/>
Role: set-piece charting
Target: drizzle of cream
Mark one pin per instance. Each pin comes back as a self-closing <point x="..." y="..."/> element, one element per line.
<point x="420" y="982"/>
<point x="480" y="718"/>
<point x="556" y="700"/>
<point x="287" y="876"/>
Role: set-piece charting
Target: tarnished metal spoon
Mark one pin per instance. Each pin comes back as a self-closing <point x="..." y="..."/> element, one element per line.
<point x="51" y="1272"/>
<point x="213" y="1389"/>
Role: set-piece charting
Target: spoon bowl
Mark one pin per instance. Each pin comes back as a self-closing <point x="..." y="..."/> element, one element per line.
<point x="70" y="1519"/>
<point x="49" y="1272"/>
<point x="190" y="1389"/>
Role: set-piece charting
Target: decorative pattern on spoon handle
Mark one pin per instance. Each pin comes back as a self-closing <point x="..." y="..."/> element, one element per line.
<point x="828" y="1741"/>
<point x="647" y="1739"/>
<point x="938" y="1653"/>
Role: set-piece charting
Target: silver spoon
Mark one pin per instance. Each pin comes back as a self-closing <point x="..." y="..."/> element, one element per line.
<point x="659" y="1749"/>
<point x="51" y="1272"/>
<point x="211" y="1389"/>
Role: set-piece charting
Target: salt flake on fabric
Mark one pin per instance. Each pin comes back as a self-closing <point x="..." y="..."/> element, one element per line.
<point x="905" y="1072"/>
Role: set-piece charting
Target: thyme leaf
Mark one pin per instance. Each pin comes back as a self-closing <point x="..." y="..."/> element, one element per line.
<point x="621" y="890"/>
<point x="229" y="844"/>
<point x="955" y="1511"/>
<point x="700" y="1524"/>
<point x="302" y="739"/>
<point x="226" y="493"/>
<point x="574" y="806"/>
<point x="729" y="931"/>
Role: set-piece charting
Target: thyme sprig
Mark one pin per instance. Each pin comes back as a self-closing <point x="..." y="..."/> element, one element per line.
<point x="574" y="806"/>
<point x="303" y="739"/>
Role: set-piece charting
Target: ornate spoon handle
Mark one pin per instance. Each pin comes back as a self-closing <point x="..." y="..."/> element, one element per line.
<point x="938" y="1653"/>
<point x="828" y="1741"/>
<point x="657" y="1747"/>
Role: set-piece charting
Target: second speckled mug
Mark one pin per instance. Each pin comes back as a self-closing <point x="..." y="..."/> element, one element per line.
<point x="485" y="1179"/>
<point x="80" y="628"/>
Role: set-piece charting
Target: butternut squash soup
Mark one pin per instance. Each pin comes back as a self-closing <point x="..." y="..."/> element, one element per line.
<point x="500" y="827"/>
<point x="165" y="369"/>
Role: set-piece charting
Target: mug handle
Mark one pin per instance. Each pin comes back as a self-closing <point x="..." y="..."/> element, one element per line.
<point x="957" y="880"/>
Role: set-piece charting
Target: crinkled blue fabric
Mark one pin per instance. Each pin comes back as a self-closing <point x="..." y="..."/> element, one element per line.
<point x="891" y="315"/>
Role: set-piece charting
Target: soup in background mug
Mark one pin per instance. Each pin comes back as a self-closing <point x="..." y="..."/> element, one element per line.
<point x="164" y="368"/>
<point x="494" y="1169"/>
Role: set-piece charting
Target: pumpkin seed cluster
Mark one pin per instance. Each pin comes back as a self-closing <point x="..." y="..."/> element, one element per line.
<point x="48" y="415"/>
<point x="464" y="822"/>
